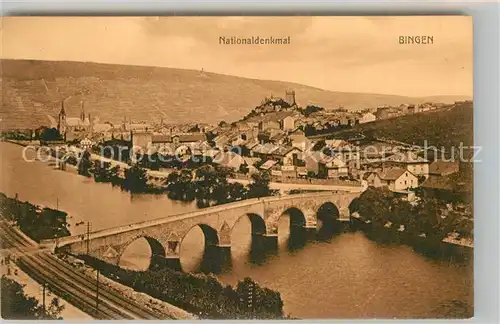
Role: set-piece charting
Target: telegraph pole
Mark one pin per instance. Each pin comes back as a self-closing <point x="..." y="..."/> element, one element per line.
<point x="88" y="237"/>
<point x="97" y="292"/>
<point x="44" y="287"/>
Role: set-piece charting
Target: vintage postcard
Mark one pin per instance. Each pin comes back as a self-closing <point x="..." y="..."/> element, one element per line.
<point x="236" y="167"/>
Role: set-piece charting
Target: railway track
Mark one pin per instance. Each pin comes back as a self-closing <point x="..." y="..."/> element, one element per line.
<point x="74" y="286"/>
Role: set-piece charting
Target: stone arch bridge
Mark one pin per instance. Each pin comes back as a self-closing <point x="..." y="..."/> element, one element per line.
<point x="165" y="235"/>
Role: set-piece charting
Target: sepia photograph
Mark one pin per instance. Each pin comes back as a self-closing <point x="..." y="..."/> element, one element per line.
<point x="237" y="167"/>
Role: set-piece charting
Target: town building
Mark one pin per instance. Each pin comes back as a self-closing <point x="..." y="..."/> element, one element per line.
<point x="367" y="118"/>
<point x="176" y="144"/>
<point x="229" y="160"/>
<point x="443" y="168"/>
<point x="325" y="166"/>
<point x="287" y="155"/>
<point x="410" y="161"/>
<point x="73" y="128"/>
<point x="345" y="150"/>
<point x="396" y="179"/>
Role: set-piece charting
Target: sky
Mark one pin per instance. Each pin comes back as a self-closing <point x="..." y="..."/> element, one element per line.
<point x="351" y="54"/>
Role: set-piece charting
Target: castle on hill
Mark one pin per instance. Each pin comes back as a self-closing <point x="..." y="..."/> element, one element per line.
<point x="273" y="104"/>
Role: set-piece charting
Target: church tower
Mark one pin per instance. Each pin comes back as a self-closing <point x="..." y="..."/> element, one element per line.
<point x="61" y="125"/>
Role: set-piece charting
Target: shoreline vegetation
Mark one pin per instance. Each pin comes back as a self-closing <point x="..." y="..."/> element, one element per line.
<point x="422" y="224"/>
<point x="377" y="212"/>
<point x="39" y="223"/>
<point x="201" y="294"/>
<point x="208" y="185"/>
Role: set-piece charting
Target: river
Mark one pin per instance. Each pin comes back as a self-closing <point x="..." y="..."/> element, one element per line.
<point x="348" y="276"/>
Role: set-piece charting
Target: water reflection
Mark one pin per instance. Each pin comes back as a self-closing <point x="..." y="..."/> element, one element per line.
<point x="333" y="276"/>
<point x="249" y="248"/>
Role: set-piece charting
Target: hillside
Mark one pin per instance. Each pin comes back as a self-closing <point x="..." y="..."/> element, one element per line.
<point x="33" y="90"/>
<point x="441" y="128"/>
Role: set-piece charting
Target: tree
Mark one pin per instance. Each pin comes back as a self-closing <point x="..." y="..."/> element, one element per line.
<point x="180" y="186"/>
<point x="135" y="179"/>
<point x="259" y="187"/>
<point x="17" y="306"/>
<point x="374" y="204"/>
<point x="258" y="302"/>
<point x="400" y="211"/>
<point x="237" y="192"/>
<point x="114" y="176"/>
<point x="311" y="109"/>
<point x="428" y="220"/>
<point x="212" y="186"/>
<point x="84" y="164"/>
<point x="50" y="134"/>
<point x="101" y="171"/>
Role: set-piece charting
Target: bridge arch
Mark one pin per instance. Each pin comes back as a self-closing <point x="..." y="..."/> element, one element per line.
<point x="203" y="257"/>
<point x="327" y="216"/>
<point x="328" y="210"/>
<point x="258" y="225"/>
<point x="157" y="249"/>
<point x="297" y="216"/>
<point x="210" y="234"/>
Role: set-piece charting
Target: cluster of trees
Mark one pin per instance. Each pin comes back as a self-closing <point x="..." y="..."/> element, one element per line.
<point x="200" y="294"/>
<point x="381" y="207"/>
<point x="310" y="130"/>
<point x="45" y="134"/>
<point x="37" y="224"/>
<point x="155" y="162"/>
<point x="267" y="102"/>
<point x="209" y="186"/>
<point x="310" y="109"/>
<point x="21" y="135"/>
<point x="17" y="306"/>
<point x="49" y="134"/>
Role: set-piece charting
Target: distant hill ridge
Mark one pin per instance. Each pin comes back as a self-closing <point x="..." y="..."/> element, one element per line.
<point x="33" y="90"/>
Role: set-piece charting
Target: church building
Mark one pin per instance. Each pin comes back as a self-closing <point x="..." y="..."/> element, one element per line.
<point x="74" y="128"/>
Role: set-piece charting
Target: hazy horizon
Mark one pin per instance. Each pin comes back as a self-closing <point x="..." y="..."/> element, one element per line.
<point x="238" y="76"/>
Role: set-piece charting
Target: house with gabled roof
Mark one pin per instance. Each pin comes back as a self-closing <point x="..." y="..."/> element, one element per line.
<point x="410" y="161"/>
<point x="287" y="155"/>
<point x="229" y="160"/>
<point x="326" y="166"/>
<point x="396" y="179"/>
<point x="443" y="168"/>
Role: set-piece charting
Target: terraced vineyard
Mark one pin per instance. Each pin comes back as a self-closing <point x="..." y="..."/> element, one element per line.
<point x="33" y="90"/>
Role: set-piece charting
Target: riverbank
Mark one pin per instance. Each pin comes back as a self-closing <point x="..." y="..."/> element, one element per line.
<point x="444" y="249"/>
<point x="349" y="276"/>
<point x="38" y="223"/>
<point x="200" y="294"/>
<point x="283" y="184"/>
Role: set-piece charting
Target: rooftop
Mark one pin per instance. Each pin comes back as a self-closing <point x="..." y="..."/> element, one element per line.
<point x="391" y="173"/>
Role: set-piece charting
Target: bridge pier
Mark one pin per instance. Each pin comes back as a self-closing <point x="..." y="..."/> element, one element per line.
<point x="310" y="232"/>
<point x="173" y="263"/>
<point x="263" y="245"/>
<point x="265" y="242"/>
<point x="216" y="258"/>
<point x="160" y="262"/>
